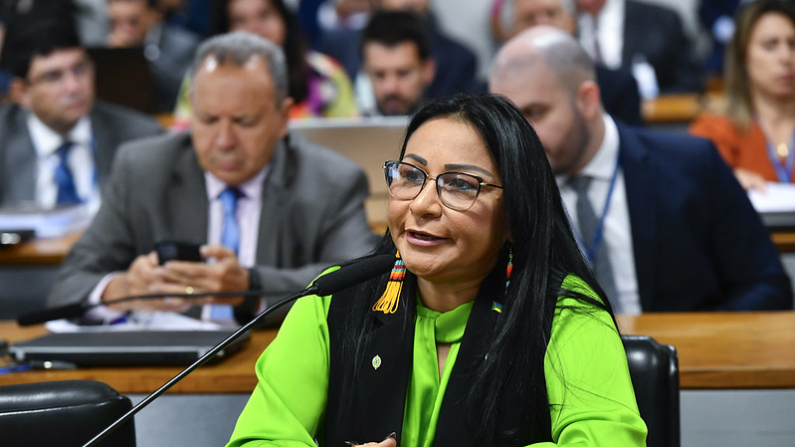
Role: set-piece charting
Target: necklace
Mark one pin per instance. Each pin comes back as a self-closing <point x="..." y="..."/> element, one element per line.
<point x="782" y="150"/>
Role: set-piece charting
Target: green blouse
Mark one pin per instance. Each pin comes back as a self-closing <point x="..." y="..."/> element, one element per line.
<point x="592" y="402"/>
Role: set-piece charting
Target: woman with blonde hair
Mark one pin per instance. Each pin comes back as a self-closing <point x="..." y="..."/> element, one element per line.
<point x="755" y="132"/>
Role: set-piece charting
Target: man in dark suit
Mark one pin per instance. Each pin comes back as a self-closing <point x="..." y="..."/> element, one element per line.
<point x="456" y="65"/>
<point x="397" y="64"/>
<point x="57" y="123"/>
<point x="636" y="35"/>
<point x="660" y="216"/>
<point x="272" y="211"/>
<point x="620" y="96"/>
<point x="169" y="48"/>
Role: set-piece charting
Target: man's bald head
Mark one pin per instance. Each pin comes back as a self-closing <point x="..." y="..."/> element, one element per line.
<point x="544" y="46"/>
<point x="550" y="78"/>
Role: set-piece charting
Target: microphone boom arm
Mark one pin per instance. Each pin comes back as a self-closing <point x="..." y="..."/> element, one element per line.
<point x="199" y="362"/>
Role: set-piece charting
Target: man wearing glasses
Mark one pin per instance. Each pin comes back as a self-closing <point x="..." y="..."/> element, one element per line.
<point x="57" y="142"/>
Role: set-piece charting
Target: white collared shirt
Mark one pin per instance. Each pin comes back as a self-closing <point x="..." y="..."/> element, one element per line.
<point x="608" y="28"/>
<point x="81" y="161"/>
<point x="248" y="212"/>
<point x="617" y="235"/>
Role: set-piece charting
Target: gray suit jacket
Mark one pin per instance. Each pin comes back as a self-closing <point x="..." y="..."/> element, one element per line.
<point x="312" y="214"/>
<point x="111" y="124"/>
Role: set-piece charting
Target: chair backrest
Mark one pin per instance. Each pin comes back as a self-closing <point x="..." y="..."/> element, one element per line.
<point x="654" y="369"/>
<point x="68" y="413"/>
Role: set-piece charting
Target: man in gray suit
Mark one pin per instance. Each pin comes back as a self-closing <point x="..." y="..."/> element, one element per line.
<point x="56" y="122"/>
<point x="298" y="208"/>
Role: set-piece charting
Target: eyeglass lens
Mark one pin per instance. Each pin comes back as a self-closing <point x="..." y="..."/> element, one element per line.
<point x="456" y="190"/>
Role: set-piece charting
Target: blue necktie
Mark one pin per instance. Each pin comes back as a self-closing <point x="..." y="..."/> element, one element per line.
<point x="231" y="232"/>
<point x="230" y="237"/>
<point x="67" y="193"/>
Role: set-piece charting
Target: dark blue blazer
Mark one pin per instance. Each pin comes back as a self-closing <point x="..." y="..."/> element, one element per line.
<point x="456" y="65"/>
<point x="698" y="242"/>
<point x="620" y="96"/>
<point x="657" y="33"/>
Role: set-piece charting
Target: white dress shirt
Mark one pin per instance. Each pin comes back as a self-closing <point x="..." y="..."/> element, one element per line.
<point x="617" y="235"/>
<point x="81" y="161"/>
<point x="608" y="28"/>
<point x="249" y="207"/>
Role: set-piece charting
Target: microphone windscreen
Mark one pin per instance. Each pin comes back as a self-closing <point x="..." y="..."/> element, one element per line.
<point x="353" y="273"/>
<point x="55" y="313"/>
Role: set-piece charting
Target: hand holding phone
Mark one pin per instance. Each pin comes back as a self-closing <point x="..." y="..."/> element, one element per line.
<point x="178" y="251"/>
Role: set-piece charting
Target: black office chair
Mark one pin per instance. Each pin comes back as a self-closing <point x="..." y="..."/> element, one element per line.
<point x="65" y="413"/>
<point x="654" y="369"/>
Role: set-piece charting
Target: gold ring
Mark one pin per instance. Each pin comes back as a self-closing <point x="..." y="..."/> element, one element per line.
<point x="189" y="290"/>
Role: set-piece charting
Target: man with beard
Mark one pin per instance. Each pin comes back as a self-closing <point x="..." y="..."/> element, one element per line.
<point x="397" y="62"/>
<point x="57" y="142"/>
<point x="660" y="216"/>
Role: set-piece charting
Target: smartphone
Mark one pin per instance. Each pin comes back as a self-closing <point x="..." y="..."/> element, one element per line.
<point x="178" y="251"/>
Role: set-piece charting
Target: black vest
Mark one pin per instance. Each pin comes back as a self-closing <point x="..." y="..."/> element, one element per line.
<point x="372" y="407"/>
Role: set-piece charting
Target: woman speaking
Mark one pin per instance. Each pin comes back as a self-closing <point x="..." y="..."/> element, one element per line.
<point x="490" y="330"/>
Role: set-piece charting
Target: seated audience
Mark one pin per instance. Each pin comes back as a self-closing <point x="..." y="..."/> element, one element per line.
<point x="271" y="211"/>
<point x="22" y="13"/>
<point x="57" y="142"/>
<point x="456" y="65"/>
<point x="660" y="216"/>
<point x="397" y="66"/>
<point x="620" y="96"/>
<point x="318" y="85"/>
<point x="756" y="132"/>
<point x="168" y="48"/>
<point x="490" y="330"/>
<point x="646" y="38"/>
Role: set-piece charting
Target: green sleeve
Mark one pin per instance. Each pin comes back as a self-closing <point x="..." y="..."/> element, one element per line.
<point x="592" y="402"/>
<point x="287" y="406"/>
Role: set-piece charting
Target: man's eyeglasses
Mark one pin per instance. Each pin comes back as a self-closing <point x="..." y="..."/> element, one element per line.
<point x="80" y="71"/>
<point x="457" y="190"/>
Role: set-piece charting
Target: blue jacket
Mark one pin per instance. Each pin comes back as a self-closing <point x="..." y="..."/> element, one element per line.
<point x="698" y="242"/>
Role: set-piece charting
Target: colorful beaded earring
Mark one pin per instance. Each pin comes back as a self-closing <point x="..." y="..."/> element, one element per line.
<point x="509" y="269"/>
<point x="388" y="303"/>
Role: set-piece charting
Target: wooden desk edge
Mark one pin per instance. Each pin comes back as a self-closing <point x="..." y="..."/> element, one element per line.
<point x="237" y="375"/>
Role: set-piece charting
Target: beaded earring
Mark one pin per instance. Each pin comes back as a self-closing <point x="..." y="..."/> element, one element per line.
<point x="388" y="303"/>
<point x="509" y="269"/>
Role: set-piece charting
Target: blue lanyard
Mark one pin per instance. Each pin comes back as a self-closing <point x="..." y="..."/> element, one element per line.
<point x="783" y="171"/>
<point x="592" y="249"/>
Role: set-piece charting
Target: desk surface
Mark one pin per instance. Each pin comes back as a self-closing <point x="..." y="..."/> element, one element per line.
<point x="38" y="251"/>
<point x="716" y="351"/>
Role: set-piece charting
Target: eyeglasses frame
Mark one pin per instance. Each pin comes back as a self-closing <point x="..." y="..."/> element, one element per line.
<point x="480" y="180"/>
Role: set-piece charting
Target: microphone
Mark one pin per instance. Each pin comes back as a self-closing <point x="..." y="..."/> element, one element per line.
<point x="348" y="275"/>
<point x="79" y="309"/>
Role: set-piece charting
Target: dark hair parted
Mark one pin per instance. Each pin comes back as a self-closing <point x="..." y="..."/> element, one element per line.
<point x="26" y="41"/>
<point x="544" y="253"/>
<point x="294" y="47"/>
<point x="739" y="106"/>
<point x="392" y="28"/>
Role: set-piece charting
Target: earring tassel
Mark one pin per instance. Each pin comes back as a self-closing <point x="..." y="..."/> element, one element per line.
<point x="388" y="303"/>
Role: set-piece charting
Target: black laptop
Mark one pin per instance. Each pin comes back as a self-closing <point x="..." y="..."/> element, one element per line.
<point x="128" y="348"/>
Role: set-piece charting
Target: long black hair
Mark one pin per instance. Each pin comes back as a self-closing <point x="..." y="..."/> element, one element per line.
<point x="544" y="253"/>
<point x="294" y="47"/>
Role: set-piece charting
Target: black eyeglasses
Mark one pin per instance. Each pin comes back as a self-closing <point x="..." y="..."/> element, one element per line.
<point x="457" y="190"/>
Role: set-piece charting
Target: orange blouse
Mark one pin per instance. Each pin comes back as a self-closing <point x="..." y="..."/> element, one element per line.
<point x="740" y="148"/>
